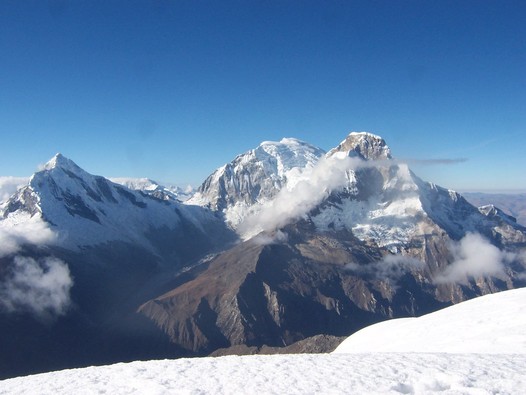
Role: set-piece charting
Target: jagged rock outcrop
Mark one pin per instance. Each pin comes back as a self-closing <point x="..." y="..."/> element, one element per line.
<point x="318" y="344"/>
<point x="364" y="145"/>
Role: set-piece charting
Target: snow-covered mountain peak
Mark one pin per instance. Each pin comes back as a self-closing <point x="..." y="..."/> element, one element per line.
<point x="62" y="170"/>
<point x="493" y="212"/>
<point x="88" y="210"/>
<point x="62" y="174"/>
<point x="286" y="154"/>
<point x="364" y="145"/>
<point x="138" y="184"/>
<point x="291" y="140"/>
<point x="256" y="176"/>
<point x="155" y="189"/>
<point x="60" y="161"/>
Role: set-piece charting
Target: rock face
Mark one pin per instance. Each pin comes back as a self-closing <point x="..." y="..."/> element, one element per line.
<point x="314" y="283"/>
<point x="363" y="145"/>
<point x="318" y="344"/>
<point x="378" y="246"/>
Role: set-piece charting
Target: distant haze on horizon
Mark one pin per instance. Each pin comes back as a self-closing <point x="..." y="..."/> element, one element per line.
<point x="172" y="90"/>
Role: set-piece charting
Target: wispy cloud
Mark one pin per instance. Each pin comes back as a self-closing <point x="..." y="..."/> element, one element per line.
<point x="474" y="256"/>
<point x="39" y="287"/>
<point x="391" y="268"/>
<point x="33" y="231"/>
<point x="432" y="162"/>
<point x="290" y="204"/>
<point x="522" y="259"/>
<point x="9" y="185"/>
<point x="277" y="237"/>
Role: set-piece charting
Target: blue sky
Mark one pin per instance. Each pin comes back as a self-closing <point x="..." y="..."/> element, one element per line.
<point x="172" y="90"/>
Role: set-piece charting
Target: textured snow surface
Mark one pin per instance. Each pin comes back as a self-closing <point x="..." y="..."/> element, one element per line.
<point x="491" y="324"/>
<point x="478" y="348"/>
<point x="290" y="374"/>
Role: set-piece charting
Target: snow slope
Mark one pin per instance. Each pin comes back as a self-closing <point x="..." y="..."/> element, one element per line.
<point x="476" y="368"/>
<point x="290" y="374"/>
<point x="490" y="324"/>
<point x="87" y="210"/>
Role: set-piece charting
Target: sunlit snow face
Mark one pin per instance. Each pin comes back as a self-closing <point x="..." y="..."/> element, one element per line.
<point x="293" y="203"/>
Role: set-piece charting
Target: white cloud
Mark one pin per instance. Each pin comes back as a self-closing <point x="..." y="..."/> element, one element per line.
<point x="31" y="231"/>
<point x="522" y="258"/>
<point x="9" y="185"/>
<point x="38" y="287"/>
<point x="391" y="268"/>
<point x="290" y="204"/>
<point x="277" y="237"/>
<point x="474" y="256"/>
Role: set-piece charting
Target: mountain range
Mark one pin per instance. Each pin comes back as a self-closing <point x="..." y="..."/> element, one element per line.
<point x="284" y="244"/>
<point x="513" y="204"/>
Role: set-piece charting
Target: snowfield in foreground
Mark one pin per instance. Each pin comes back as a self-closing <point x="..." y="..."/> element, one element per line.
<point x="291" y="374"/>
<point x="477" y="347"/>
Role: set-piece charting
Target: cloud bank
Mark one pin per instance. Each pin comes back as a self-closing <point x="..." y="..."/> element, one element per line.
<point x="474" y="256"/>
<point x="40" y="287"/>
